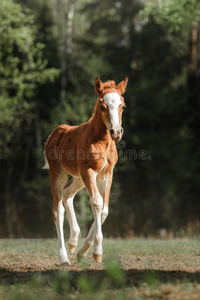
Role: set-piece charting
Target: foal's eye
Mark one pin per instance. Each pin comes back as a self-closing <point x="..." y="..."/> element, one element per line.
<point x="102" y="108"/>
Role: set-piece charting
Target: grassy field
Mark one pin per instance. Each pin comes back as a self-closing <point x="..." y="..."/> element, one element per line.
<point x="131" y="269"/>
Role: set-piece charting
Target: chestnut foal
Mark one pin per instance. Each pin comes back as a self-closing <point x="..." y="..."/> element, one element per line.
<point x="88" y="153"/>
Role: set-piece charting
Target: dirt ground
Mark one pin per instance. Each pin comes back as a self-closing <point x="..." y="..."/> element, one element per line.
<point x="166" y="262"/>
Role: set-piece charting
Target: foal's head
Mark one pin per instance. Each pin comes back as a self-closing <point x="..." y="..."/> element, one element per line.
<point x="111" y="104"/>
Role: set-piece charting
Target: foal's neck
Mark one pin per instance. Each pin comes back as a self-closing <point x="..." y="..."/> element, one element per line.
<point x="100" y="129"/>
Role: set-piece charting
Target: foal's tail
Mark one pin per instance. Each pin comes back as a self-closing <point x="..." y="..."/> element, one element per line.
<point x="56" y="135"/>
<point x="46" y="165"/>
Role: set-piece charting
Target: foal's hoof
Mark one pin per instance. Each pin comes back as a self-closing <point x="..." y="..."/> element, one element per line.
<point x="71" y="248"/>
<point x="80" y="256"/>
<point x="97" y="258"/>
<point x="65" y="263"/>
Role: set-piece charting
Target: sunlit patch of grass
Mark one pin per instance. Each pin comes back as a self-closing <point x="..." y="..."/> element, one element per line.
<point x="136" y="245"/>
<point x="31" y="246"/>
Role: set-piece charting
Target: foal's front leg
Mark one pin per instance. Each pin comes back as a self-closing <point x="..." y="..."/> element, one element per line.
<point x="104" y="186"/>
<point x="96" y="200"/>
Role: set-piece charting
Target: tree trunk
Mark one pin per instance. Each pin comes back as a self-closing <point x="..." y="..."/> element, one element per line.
<point x="194" y="82"/>
<point x="8" y="204"/>
<point x="193" y="48"/>
<point x="65" y="44"/>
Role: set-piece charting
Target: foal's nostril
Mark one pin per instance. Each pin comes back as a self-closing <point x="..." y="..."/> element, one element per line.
<point x="112" y="131"/>
<point x="122" y="130"/>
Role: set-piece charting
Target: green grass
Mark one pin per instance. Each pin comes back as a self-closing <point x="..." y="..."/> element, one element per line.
<point x="132" y="269"/>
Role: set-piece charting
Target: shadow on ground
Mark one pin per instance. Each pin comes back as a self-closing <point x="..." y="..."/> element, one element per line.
<point x="97" y="278"/>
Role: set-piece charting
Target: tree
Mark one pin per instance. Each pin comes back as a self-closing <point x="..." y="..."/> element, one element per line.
<point x="22" y="69"/>
<point x="176" y="17"/>
<point x="180" y="24"/>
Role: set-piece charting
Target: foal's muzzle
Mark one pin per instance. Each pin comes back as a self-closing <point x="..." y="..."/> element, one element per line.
<point x="116" y="133"/>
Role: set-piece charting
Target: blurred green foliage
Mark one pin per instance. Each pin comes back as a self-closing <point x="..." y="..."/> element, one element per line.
<point x="53" y="50"/>
<point x="22" y="68"/>
<point x="177" y="16"/>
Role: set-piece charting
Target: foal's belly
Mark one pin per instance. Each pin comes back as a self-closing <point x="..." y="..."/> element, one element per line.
<point x="76" y="165"/>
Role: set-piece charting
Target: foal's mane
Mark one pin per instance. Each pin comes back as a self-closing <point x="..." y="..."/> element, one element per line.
<point x="110" y="84"/>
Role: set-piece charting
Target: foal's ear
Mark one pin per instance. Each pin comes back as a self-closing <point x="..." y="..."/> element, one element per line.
<point x="121" y="87"/>
<point x="98" y="85"/>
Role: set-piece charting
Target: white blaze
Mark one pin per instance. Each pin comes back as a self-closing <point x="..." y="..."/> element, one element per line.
<point x="113" y="101"/>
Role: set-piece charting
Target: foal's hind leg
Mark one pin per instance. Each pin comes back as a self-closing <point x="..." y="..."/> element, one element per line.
<point x="58" y="180"/>
<point x="70" y="190"/>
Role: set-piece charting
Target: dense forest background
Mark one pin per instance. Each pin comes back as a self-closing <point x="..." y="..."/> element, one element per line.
<point x="51" y="51"/>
